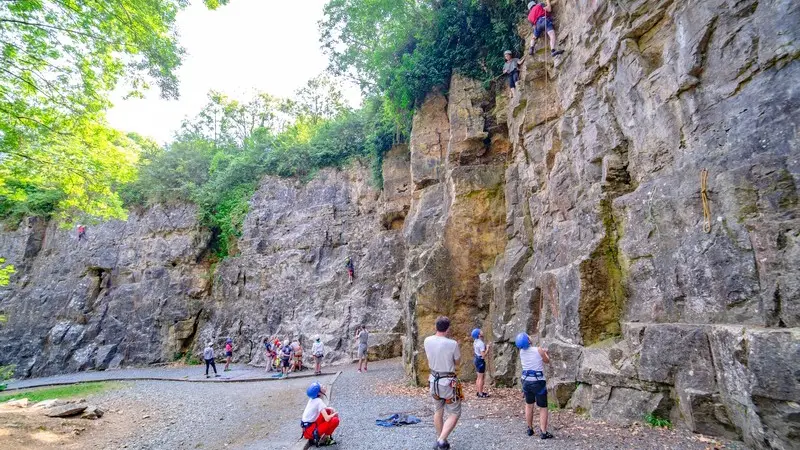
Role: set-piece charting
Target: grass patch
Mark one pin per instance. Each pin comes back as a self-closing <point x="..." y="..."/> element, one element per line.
<point x="552" y="406"/>
<point x="73" y="390"/>
<point x="657" y="422"/>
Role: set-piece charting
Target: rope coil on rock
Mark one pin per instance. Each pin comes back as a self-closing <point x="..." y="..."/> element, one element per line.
<point x="704" y="196"/>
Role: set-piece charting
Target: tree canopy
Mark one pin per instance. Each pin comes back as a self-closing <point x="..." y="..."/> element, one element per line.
<point x="404" y="49"/>
<point x="59" y="60"/>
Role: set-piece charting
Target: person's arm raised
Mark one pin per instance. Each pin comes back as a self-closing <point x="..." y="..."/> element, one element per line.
<point x="545" y="356"/>
<point x="547" y="6"/>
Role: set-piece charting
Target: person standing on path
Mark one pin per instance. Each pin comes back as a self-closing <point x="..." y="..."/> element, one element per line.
<point x="480" y="349"/>
<point x="208" y="356"/>
<point x="362" y="337"/>
<point x="228" y="354"/>
<point x="318" y="351"/>
<point x="286" y="357"/>
<point x="270" y="354"/>
<point x="297" y="362"/>
<point x="534" y="385"/>
<point x="318" y="421"/>
<point x="443" y="358"/>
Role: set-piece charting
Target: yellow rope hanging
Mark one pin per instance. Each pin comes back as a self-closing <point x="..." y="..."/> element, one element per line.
<point x="704" y="196"/>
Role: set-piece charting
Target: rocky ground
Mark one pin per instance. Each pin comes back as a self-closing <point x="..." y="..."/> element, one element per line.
<point x="264" y="415"/>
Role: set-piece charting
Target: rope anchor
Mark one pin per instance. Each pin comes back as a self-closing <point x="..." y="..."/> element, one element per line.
<point x="704" y="196"/>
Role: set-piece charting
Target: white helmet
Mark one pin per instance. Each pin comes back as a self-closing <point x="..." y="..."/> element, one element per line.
<point x="531" y="4"/>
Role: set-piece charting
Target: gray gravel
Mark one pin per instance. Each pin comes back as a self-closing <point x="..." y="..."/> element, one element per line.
<point x="147" y="415"/>
<point x="359" y="398"/>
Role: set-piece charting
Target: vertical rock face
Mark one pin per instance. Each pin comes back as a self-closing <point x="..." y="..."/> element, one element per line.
<point x="290" y="277"/>
<point x="129" y="293"/>
<point x="455" y="227"/>
<point x="606" y="260"/>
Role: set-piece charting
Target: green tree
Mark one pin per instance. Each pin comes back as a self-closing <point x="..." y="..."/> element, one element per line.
<point x="59" y="59"/>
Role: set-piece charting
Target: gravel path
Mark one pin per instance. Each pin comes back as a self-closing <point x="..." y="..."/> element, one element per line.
<point x="362" y="397"/>
<point x="176" y="373"/>
<point x="153" y="415"/>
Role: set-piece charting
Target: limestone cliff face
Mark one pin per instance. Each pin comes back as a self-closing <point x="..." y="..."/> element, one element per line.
<point x="130" y="293"/>
<point x="143" y="291"/>
<point x="605" y="259"/>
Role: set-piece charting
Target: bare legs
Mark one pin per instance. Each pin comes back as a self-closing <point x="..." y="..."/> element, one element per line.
<point x="479" y="382"/>
<point x="543" y="417"/>
<point x="444" y="427"/>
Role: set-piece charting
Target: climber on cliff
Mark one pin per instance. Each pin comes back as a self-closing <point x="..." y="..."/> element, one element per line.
<point x="534" y="386"/>
<point x="362" y="338"/>
<point x="480" y="349"/>
<point x="81" y="232"/>
<point x="350" y="269"/>
<point x="208" y="357"/>
<point x="511" y="68"/>
<point x="443" y="357"/>
<point x="539" y="17"/>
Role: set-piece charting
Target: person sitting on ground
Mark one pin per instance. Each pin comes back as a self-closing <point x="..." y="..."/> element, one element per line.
<point x="511" y="68"/>
<point x="208" y="357"/>
<point x="480" y="349"/>
<point x="539" y="17"/>
<point x="270" y="354"/>
<point x="286" y="357"/>
<point x="350" y="269"/>
<point x="443" y="357"/>
<point x="318" y="351"/>
<point x="228" y="354"/>
<point x="319" y="421"/>
<point x="297" y="349"/>
<point x="362" y="338"/>
<point x="81" y="232"/>
<point x="534" y="385"/>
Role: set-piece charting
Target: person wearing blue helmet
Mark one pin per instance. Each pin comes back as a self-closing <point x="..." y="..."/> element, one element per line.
<point x="319" y="421"/>
<point x="480" y="348"/>
<point x="534" y="385"/>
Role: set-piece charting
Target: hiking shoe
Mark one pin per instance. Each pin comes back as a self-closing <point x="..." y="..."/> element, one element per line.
<point x="555" y="53"/>
<point x="208" y="376"/>
<point x="444" y="446"/>
<point x="530" y="432"/>
<point x="546" y="435"/>
<point x="216" y="375"/>
<point x="484" y="395"/>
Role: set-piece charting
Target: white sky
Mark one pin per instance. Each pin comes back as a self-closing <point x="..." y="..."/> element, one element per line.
<point x="241" y="48"/>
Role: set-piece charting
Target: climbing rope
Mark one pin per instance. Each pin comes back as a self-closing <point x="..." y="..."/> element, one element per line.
<point x="704" y="196"/>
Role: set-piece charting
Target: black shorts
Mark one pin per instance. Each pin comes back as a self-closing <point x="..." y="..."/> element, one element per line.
<point x="229" y="354"/>
<point x="535" y="391"/>
<point x="480" y="364"/>
<point x="513" y="77"/>
<point x="285" y="362"/>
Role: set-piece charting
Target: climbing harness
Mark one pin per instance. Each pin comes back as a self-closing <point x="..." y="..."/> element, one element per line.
<point x="458" y="389"/>
<point x="704" y="196"/>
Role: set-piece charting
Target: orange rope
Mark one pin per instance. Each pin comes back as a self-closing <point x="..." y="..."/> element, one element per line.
<point x="704" y="196"/>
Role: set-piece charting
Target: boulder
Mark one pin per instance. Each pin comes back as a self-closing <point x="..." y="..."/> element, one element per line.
<point x="68" y="410"/>
<point x="92" y="412"/>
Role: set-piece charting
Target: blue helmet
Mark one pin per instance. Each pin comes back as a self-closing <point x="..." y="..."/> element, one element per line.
<point x="475" y="333"/>
<point x="523" y="341"/>
<point x="314" y="390"/>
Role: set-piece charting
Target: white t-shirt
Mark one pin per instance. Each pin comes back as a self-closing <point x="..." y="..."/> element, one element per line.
<point x="317" y="349"/>
<point x="442" y="353"/>
<point x="479" y="347"/>
<point x="313" y="408"/>
<point x="531" y="359"/>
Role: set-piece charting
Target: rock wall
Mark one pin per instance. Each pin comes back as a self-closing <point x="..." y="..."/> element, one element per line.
<point x="130" y="293"/>
<point x="144" y="291"/>
<point x="604" y="257"/>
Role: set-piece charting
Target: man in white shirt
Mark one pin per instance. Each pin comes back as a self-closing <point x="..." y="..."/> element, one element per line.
<point x="443" y="357"/>
<point x="534" y="386"/>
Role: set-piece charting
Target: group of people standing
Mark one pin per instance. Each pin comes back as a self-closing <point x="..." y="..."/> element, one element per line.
<point x="443" y="355"/>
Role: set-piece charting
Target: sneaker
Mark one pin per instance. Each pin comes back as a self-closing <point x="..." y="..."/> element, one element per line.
<point x="532" y="51"/>
<point x="208" y="376"/>
<point x="443" y="446"/>
<point x="530" y="431"/>
<point x="546" y="435"/>
<point x="483" y="395"/>
<point x="555" y="53"/>
<point x="216" y="375"/>
<point x="359" y="370"/>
